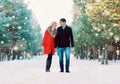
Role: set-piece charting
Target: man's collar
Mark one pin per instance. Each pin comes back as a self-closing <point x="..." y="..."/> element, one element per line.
<point x="64" y="26"/>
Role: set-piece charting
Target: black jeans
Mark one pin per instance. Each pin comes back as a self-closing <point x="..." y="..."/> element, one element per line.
<point x="48" y="62"/>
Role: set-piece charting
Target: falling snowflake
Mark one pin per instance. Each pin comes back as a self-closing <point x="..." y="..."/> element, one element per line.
<point x="2" y="42"/>
<point x="4" y="35"/>
<point x="19" y="27"/>
<point x="26" y="18"/>
<point x="7" y="25"/>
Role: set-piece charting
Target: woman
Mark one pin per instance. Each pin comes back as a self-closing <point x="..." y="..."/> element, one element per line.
<point x="48" y="44"/>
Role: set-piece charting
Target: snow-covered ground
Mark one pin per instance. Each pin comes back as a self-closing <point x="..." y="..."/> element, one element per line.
<point x="82" y="72"/>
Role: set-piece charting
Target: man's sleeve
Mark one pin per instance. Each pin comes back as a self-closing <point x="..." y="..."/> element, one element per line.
<point x="71" y="38"/>
<point x="56" y="39"/>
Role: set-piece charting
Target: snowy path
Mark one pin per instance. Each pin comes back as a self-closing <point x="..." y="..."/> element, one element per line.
<point x="82" y="72"/>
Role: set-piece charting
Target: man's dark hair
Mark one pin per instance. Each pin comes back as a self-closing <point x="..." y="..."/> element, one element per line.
<point x="63" y="19"/>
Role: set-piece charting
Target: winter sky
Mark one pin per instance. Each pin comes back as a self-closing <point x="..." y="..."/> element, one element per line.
<point x="47" y="11"/>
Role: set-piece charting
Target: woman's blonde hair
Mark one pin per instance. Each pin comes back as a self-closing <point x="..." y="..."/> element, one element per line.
<point x="50" y="26"/>
<point x="52" y="32"/>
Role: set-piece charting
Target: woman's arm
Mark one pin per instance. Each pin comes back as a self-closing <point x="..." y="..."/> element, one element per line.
<point x="44" y="38"/>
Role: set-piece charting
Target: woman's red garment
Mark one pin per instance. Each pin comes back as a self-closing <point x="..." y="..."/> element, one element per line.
<point x="48" y="43"/>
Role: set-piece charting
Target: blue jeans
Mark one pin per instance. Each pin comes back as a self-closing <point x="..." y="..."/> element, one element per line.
<point x="61" y="57"/>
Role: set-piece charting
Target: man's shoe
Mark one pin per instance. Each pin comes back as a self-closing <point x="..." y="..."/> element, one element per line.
<point x="67" y="71"/>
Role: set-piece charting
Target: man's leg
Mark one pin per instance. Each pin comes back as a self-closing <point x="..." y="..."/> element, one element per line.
<point x="61" y="61"/>
<point x="67" y="55"/>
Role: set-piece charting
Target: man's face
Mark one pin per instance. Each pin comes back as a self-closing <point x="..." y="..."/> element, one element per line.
<point x="62" y="23"/>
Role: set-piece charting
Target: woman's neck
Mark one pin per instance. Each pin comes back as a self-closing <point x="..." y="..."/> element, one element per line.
<point x="52" y="29"/>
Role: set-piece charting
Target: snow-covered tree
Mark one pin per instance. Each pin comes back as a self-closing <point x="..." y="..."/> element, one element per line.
<point x="16" y="29"/>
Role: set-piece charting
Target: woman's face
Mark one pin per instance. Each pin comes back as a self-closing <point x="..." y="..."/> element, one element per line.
<point x="54" y="25"/>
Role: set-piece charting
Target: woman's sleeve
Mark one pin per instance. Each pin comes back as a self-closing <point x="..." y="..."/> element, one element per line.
<point x="44" y="38"/>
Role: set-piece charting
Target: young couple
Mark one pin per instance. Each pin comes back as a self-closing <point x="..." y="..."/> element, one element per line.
<point x="60" y="38"/>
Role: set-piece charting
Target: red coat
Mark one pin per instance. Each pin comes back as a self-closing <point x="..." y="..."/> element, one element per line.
<point x="48" y="43"/>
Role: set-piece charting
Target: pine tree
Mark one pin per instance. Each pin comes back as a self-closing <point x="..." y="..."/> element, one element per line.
<point x="97" y="23"/>
<point x="104" y="16"/>
<point x="16" y="31"/>
<point x="84" y="34"/>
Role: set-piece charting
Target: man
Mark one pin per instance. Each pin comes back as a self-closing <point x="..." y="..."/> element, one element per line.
<point x="64" y="40"/>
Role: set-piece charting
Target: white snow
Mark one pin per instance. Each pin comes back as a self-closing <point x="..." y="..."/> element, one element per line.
<point x="82" y="72"/>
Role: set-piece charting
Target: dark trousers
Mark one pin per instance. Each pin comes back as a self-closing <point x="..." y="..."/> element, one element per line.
<point x="48" y="62"/>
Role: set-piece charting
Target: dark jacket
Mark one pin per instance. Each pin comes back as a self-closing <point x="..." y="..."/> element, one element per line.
<point x="64" y="37"/>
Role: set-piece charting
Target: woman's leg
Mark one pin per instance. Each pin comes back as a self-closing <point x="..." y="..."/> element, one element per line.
<point x="50" y="59"/>
<point x="48" y="62"/>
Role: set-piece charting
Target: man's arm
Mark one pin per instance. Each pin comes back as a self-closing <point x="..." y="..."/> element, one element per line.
<point x="56" y="39"/>
<point x="71" y="38"/>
